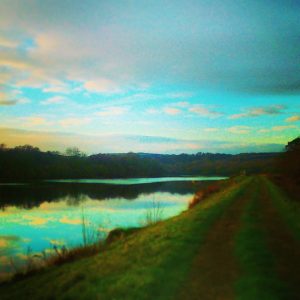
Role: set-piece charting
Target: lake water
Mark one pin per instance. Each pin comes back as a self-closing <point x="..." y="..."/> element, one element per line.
<point x="37" y="216"/>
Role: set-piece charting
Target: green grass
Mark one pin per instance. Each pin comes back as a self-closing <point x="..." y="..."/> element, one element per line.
<point x="149" y="264"/>
<point x="288" y="210"/>
<point x="258" y="279"/>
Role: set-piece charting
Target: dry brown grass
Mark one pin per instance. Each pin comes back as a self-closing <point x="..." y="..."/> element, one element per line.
<point x="204" y="193"/>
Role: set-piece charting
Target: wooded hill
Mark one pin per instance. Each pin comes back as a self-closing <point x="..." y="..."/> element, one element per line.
<point x="28" y="162"/>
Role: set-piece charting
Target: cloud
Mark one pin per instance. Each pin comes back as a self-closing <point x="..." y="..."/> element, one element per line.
<point x="211" y="129"/>
<point x="203" y="111"/>
<point x="12" y="98"/>
<point x="185" y="106"/>
<point x="260" y="111"/>
<point x="239" y="129"/>
<point x="293" y="118"/>
<point x="60" y="89"/>
<point x="7" y="42"/>
<point x="16" y="62"/>
<point x="5" y="76"/>
<point x="277" y="128"/>
<point x="54" y="100"/>
<point x="182" y="104"/>
<point x="283" y="127"/>
<point x="23" y="101"/>
<point x="35" y="121"/>
<point x="172" y="111"/>
<point x="101" y="85"/>
<point x="112" y="111"/>
<point x="176" y="95"/>
<point x="74" y="121"/>
<point x="230" y="46"/>
<point x="264" y="130"/>
<point x="153" y="111"/>
<point x="5" y="100"/>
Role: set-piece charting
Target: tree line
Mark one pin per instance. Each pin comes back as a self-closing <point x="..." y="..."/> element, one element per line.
<point x="289" y="162"/>
<point x="30" y="163"/>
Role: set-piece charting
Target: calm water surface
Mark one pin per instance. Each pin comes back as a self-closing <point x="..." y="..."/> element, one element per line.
<point x="37" y="216"/>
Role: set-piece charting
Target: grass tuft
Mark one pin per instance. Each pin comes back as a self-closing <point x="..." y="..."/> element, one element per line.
<point x="288" y="210"/>
<point x="258" y="278"/>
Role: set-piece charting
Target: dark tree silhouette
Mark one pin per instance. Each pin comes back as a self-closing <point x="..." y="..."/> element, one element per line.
<point x="289" y="163"/>
<point x="74" y="151"/>
<point x="294" y="145"/>
<point x="28" y="162"/>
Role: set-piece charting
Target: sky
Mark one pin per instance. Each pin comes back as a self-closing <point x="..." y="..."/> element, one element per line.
<point x="150" y="76"/>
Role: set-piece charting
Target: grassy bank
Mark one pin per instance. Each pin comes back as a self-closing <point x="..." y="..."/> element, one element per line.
<point x="134" y="267"/>
<point x="288" y="210"/>
<point x="228" y="246"/>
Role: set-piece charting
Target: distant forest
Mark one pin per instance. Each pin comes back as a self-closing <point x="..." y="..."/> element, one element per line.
<point x="30" y="163"/>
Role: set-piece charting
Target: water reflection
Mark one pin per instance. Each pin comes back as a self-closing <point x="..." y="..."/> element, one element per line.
<point x="33" y="194"/>
<point x="37" y="216"/>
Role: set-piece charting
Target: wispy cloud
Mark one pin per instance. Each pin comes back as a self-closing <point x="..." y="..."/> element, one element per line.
<point x="153" y="111"/>
<point x="102" y="85"/>
<point x="277" y="128"/>
<point x="211" y="129"/>
<point x="172" y="111"/>
<point x="6" y="101"/>
<point x="179" y="95"/>
<point x="54" y="100"/>
<point x="35" y="121"/>
<point x="59" y="89"/>
<point x="12" y="98"/>
<point x="264" y="130"/>
<point x="186" y="107"/>
<point x="23" y="101"/>
<point x="239" y="129"/>
<point x="67" y="122"/>
<point x="283" y="127"/>
<point x="204" y="111"/>
<point x="8" y="42"/>
<point x="293" y="118"/>
<point x="182" y="104"/>
<point x="260" y="111"/>
<point x="112" y="111"/>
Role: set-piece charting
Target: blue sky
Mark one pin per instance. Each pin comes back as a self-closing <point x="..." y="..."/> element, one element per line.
<point x="159" y="76"/>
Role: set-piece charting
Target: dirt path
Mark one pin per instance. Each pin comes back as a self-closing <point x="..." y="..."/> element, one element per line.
<point x="215" y="268"/>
